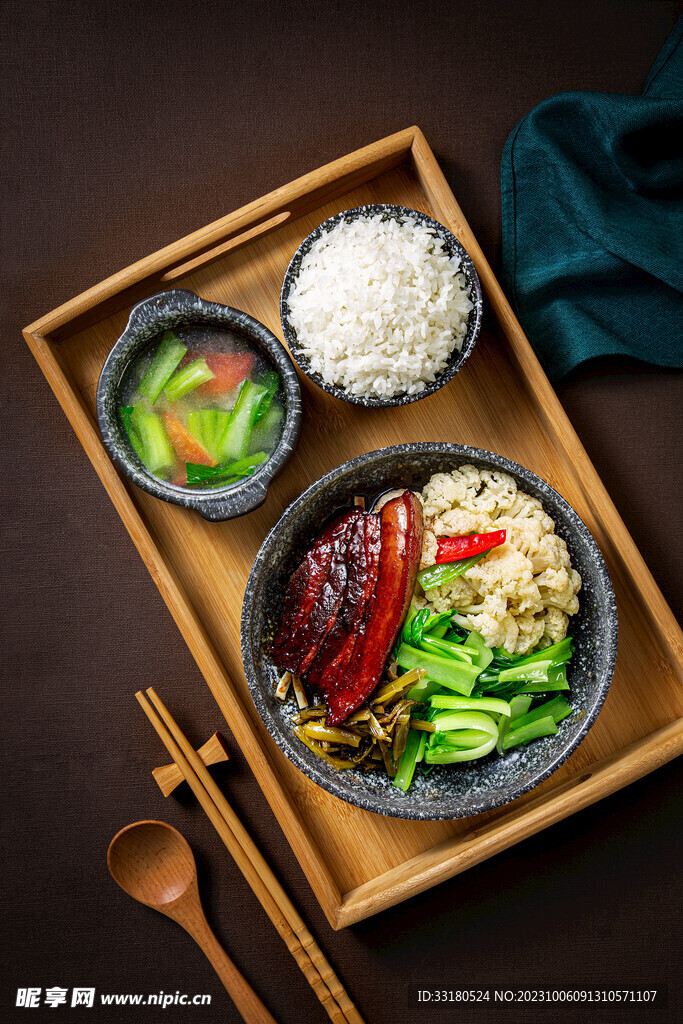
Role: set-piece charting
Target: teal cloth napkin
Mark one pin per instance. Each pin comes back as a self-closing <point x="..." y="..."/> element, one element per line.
<point x="592" y="195"/>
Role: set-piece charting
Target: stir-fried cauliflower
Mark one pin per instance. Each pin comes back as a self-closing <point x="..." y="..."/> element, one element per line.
<point x="520" y="595"/>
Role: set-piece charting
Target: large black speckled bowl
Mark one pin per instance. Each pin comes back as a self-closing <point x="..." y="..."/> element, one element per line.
<point x="148" y="320"/>
<point x="471" y="787"/>
<point x="452" y="247"/>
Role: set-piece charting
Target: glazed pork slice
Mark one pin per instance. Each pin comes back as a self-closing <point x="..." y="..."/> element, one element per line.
<point x="401" y="529"/>
<point x="314" y="596"/>
<point x="335" y="654"/>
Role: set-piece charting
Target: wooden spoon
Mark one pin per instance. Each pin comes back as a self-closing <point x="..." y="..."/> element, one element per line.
<point x="154" y="864"/>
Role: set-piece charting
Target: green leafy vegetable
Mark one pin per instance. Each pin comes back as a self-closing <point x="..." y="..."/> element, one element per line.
<point x="190" y="377"/>
<point x="125" y="412"/>
<point x="438" y="575"/>
<point x="536" y="671"/>
<point x="220" y="476"/>
<point x="455" y="675"/>
<point x="533" y="731"/>
<point x="458" y="651"/>
<point x="169" y="353"/>
<point x="518" y="706"/>
<point x="557" y="709"/>
<point x="270" y="381"/>
<point x="414" y="751"/>
<point x="235" y="440"/>
<point x="158" y="455"/>
<point x="448" y="701"/>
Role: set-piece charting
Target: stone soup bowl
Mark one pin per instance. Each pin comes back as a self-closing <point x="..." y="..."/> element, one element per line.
<point x="148" y="320"/>
<point x="470" y="787"/>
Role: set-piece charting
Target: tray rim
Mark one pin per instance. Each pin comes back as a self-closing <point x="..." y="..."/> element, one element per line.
<point x="229" y="233"/>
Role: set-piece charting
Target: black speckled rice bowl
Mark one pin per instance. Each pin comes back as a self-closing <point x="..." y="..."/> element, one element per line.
<point x="452" y="791"/>
<point x="452" y="246"/>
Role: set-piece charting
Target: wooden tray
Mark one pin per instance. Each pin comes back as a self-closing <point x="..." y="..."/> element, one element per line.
<point x="501" y="401"/>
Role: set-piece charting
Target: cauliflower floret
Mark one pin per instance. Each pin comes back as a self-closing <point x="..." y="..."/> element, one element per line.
<point x="496" y="493"/>
<point x="443" y="491"/>
<point x="497" y="630"/>
<point x="527" y="599"/>
<point x="459" y="522"/>
<point x="456" y="594"/>
<point x="492" y="620"/>
<point x="559" y="588"/>
<point x="526" y="507"/>
<point x="555" y="625"/>
<point x="550" y="553"/>
<point x="530" y="632"/>
<point x="523" y="534"/>
<point x="471" y="479"/>
<point x="429" y="548"/>
<point x="507" y="572"/>
<point x="520" y="594"/>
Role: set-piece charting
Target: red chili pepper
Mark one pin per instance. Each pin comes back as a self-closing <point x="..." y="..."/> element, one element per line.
<point x="452" y="549"/>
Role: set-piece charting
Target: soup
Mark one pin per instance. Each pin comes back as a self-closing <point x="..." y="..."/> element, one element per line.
<point x="201" y="408"/>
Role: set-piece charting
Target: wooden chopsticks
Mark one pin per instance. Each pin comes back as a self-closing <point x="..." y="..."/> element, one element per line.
<point x="253" y="865"/>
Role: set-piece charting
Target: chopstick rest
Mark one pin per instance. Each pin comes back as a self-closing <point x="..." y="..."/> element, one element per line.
<point x="168" y="776"/>
<point x="268" y="890"/>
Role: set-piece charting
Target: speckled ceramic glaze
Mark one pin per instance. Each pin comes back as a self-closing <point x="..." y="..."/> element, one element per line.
<point x="148" y="320"/>
<point x="458" y="790"/>
<point x="451" y="245"/>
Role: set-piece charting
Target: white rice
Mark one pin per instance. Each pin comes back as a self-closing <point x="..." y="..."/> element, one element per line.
<point x="378" y="306"/>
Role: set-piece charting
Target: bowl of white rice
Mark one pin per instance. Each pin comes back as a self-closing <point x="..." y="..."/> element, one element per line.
<point x="381" y="305"/>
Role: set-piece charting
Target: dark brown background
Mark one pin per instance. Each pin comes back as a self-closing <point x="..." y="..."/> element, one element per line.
<point x="126" y="126"/>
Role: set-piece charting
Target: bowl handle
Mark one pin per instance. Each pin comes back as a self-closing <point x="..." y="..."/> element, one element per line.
<point x="252" y="497"/>
<point x="149" y="309"/>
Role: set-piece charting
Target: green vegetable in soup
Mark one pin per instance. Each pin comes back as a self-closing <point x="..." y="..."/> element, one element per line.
<point x="194" y="425"/>
<point x="190" y="377"/>
<point x="166" y="358"/>
<point x="157" y="452"/>
<point x="125" y="413"/>
<point x="235" y="440"/>
<point x="222" y="476"/>
<point x="207" y="426"/>
<point x="267" y="428"/>
<point x="271" y="382"/>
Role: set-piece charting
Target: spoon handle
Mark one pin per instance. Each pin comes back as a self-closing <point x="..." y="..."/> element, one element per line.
<point x="240" y="991"/>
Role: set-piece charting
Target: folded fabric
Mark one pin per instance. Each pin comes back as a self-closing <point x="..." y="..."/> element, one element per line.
<point x="592" y="195"/>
